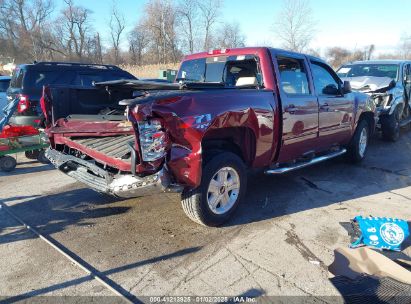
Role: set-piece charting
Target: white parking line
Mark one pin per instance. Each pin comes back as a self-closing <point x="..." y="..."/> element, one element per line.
<point x="102" y="279"/>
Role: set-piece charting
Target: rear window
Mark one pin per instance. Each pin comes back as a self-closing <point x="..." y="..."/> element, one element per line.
<point x="4" y="85"/>
<point x="230" y="70"/>
<point x="35" y="79"/>
<point x="17" y="78"/>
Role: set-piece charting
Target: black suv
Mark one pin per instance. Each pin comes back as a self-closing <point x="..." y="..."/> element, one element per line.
<point x="28" y="80"/>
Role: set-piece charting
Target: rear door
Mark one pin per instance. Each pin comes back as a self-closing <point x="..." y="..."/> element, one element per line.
<point x="336" y="110"/>
<point x="299" y="106"/>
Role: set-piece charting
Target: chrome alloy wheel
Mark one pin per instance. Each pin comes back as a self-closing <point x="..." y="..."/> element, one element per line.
<point x="363" y="142"/>
<point x="223" y="190"/>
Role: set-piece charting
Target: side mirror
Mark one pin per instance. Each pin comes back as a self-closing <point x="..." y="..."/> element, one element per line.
<point x="331" y="89"/>
<point x="346" y="87"/>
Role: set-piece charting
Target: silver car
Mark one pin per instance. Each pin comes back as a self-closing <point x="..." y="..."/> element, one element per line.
<point x="388" y="82"/>
<point x="4" y="84"/>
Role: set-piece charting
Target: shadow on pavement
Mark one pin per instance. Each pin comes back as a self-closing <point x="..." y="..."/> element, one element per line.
<point x="26" y="170"/>
<point x="55" y="212"/>
<point x="102" y="275"/>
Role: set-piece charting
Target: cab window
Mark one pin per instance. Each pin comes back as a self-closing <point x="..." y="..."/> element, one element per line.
<point x="325" y="82"/>
<point x="293" y="76"/>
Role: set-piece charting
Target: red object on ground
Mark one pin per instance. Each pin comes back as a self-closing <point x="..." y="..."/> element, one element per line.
<point x="16" y="131"/>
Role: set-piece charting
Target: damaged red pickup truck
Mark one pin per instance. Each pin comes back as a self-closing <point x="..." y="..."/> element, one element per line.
<point x="229" y="110"/>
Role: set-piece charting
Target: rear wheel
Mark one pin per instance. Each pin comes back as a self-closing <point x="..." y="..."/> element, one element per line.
<point x="223" y="184"/>
<point x="7" y="163"/>
<point x="359" y="143"/>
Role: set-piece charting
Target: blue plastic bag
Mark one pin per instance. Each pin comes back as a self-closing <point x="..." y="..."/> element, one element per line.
<point x="381" y="232"/>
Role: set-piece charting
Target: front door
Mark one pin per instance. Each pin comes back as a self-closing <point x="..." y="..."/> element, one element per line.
<point x="299" y="106"/>
<point x="336" y="108"/>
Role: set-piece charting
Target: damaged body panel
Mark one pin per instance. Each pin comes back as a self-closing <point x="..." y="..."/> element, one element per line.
<point x="229" y="109"/>
<point x="388" y="83"/>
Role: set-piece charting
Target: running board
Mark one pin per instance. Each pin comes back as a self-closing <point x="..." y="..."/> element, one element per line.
<point x="300" y="165"/>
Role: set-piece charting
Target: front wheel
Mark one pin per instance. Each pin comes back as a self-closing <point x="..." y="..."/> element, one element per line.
<point x="390" y="126"/>
<point x="7" y="163"/>
<point x="359" y="143"/>
<point x="223" y="184"/>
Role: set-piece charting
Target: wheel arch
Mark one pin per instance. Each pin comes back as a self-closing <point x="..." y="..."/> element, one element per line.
<point x="370" y="118"/>
<point x="238" y="140"/>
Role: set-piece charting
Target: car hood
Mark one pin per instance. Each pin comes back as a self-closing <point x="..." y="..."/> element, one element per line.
<point x="371" y="83"/>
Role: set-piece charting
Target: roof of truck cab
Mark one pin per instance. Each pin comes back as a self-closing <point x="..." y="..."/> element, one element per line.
<point x="248" y="50"/>
<point x="68" y="66"/>
<point x="382" y="61"/>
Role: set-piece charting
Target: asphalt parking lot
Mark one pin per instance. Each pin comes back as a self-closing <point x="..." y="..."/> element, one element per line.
<point x="279" y="243"/>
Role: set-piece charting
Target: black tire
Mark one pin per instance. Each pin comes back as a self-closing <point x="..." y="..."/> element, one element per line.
<point x="195" y="201"/>
<point x="390" y="127"/>
<point x="7" y="163"/>
<point x="41" y="157"/>
<point x="354" y="152"/>
<point x="32" y="154"/>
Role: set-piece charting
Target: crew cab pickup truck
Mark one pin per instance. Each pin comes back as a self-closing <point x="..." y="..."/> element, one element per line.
<point x="228" y="110"/>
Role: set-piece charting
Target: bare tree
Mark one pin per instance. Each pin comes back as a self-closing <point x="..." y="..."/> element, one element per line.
<point x="404" y="48"/>
<point x="160" y="22"/>
<point x="23" y="24"/>
<point x="94" y="49"/>
<point x="188" y="11"/>
<point x="230" y="36"/>
<point x="74" y="30"/>
<point x="337" y="56"/>
<point x="370" y="51"/>
<point x="117" y="26"/>
<point x="210" y="11"/>
<point x="138" y="41"/>
<point x="295" y="26"/>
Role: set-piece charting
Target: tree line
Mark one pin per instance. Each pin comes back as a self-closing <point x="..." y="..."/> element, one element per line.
<point x="32" y="30"/>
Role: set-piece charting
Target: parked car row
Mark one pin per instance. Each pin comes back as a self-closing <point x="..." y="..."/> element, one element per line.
<point x="227" y="111"/>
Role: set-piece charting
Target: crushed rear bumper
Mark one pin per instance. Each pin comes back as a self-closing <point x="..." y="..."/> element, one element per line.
<point x="125" y="185"/>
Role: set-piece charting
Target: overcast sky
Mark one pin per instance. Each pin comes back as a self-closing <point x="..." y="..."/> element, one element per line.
<point x="349" y="23"/>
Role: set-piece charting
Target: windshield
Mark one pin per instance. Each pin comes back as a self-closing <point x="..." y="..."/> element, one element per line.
<point x="4" y="85"/>
<point x="374" y="70"/>
<point x="232" y="71"/>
